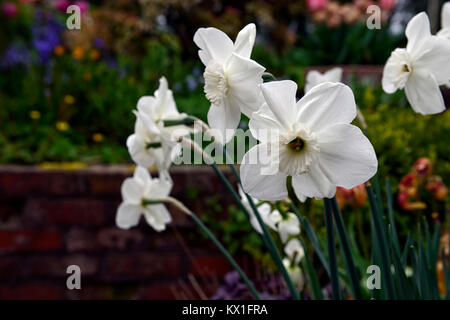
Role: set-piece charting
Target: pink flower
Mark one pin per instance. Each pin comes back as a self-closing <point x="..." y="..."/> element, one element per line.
<point x="9" y="9"/>
<point x="387" y="4"/>
<point x="84" y="6"/>
<point x="316" y="5"/>
<point x="423" y="167"/>
<point x="61" y="5"/>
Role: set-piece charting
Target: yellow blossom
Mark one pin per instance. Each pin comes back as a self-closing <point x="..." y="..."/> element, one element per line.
<point x="34" y="114"/>
<point x="62" y="126"/>
<point x="69" y="99"/>
<point x="98" y="137"/>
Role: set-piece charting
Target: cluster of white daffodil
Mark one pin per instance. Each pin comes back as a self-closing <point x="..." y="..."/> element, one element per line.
<point x="308" y="145"/>
<point x="287" y="226"/>
<point x="422" y="66"/>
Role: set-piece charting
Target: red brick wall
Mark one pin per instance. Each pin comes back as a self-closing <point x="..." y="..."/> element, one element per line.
<point x="52" y="219"/>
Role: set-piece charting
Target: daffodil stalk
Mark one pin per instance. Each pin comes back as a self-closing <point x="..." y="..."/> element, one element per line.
<point x="332" y="251"/>
<point x="210" y="235"/>
<point x="345" y="245"/>
<point x="380" y="234"/>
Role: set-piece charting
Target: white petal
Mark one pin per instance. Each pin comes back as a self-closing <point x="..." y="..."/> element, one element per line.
<point x="390" y="71"/>
<point x="423" y="93"/>
<point x="244" y="41"/>
<point x="263" y="123"/>
<point x="417" y="31"/>
<point x="131" y="191"/>
<point x="225" y="119"/>
<point x="313" y="184"/>
<point x="147" y="123"/>
<point x="256" y="180"/>
<point x="165" y="104"/>
<point x="157" y="216"/>
<point x="280" y="97"/>
<point x="244" y="77"/>
<point x="327" y="104"/>
<point x="334" y="75"/>
<point x="294" y="247"/>
<point x="272" y="219"/>
<point x="445" y="15"/>
<point x="346" y="155"/>
<point x="437" y="60"/>
<point x="142" y="175"/>
<point x="128" y="215"/>
<point x="313" y="78"/>
<point x="213" y="44"/>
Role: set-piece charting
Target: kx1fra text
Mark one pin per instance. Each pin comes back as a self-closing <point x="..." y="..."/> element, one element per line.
<point x="231" y="309"/>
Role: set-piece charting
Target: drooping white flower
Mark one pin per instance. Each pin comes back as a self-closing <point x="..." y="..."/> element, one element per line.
<point x="150" y="131"/>
<point x="288" y="226"/>
<point x="420" y="68"/>
<point x="445" y="21"/>
<point x="231" y="77"/>
<point x="135" y="191"/>
<point x="315" y="143"/>
<point x="313" y="78"/>
<point x="294" y="250"/>
<point x="264" y="210"/>
<point x="295" y="273"/>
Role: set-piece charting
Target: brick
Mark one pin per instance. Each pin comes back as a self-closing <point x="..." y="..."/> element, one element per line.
<point x="33" y="291"/>
<point x="56" y="266"/>
<point x="118" y="239"/>
<point x="79" y="239"/>
<point x="209" y="265"/>
<point x="39" y="266"/>
<point x="68" y="211"/>
<point x="119" y="267"/>
<point x="30" y="240"/>
<point x="159" y="291"/>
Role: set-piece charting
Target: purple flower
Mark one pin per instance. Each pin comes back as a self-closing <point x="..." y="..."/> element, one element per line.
<point x="46" y="35"/>
<point x="16" y="54"/>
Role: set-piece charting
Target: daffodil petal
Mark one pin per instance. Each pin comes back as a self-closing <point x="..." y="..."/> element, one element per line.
<point x="214" y="45"/>
<point x="346" y="155"/>
<point x="128" y="215"/>
<point x="327" y="104"/>
<point x="423" y="93"/>
<point x="257" y="184"/>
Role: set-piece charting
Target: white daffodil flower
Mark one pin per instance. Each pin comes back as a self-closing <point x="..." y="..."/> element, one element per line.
<point x="288" y="226"/>
<point x="264" y="210"/>
<point x="420" y="68"/>
<point x="295" y="273"/>
<point x="445" y="21"/>
<point x="135" y="191"/>
<point x="294" y="250"/>
<point x="152" y="143"/>
<point x="313" y="78"/>
<point x="231" y="77"/>
<point x="314" y="143"/>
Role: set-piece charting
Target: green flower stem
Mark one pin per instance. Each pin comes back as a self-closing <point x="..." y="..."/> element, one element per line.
<point x="154" y="145"/>
<point x="227" y="256"/>
<point x="343" y="239"/>
<point x="382" y="243"/>
<point x="188" y="121"/>
<point x="332" y="250"/>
